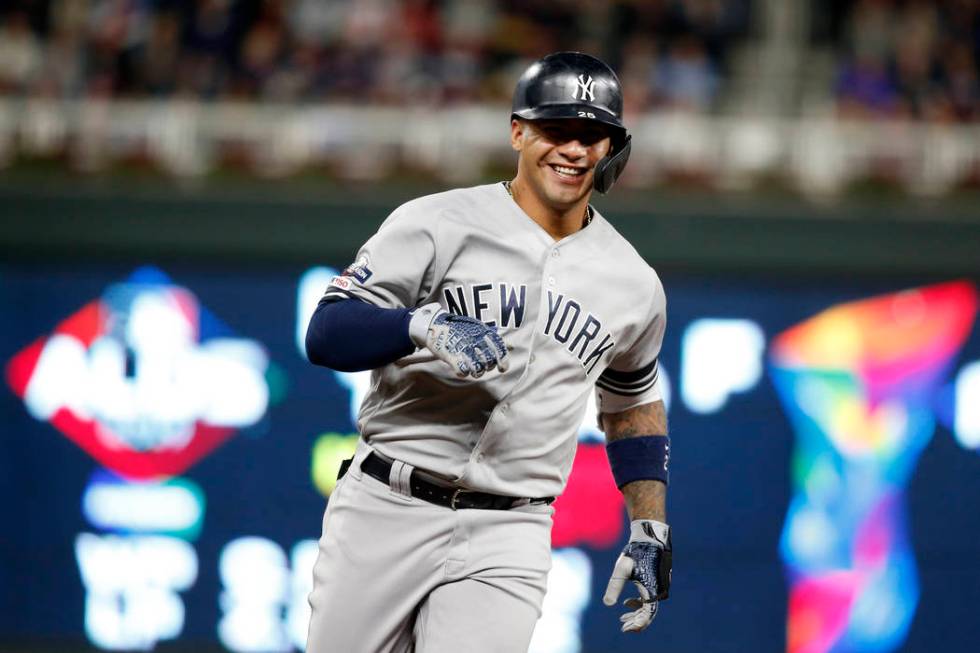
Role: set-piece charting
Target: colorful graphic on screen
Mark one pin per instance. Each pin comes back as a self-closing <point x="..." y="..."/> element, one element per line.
<point x="858" y="382"/>
<point x="144" y="378"/>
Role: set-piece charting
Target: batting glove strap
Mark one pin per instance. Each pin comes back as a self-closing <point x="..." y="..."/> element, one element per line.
<point x="651" y="568"/>
<point x="418" y="326"/>
<point x="652" y="552"/>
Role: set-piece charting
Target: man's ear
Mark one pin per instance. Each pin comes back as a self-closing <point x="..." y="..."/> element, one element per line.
<point x="516" y="134"/>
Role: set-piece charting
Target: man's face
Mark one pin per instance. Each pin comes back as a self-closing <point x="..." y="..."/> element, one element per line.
<point x="558" y="157"/>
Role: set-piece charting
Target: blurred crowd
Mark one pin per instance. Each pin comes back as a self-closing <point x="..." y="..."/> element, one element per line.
<point x="911" y="59"/>
<point x="670" y="52"/>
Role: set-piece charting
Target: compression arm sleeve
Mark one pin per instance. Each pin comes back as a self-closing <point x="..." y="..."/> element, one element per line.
<point x="350" y="335"/>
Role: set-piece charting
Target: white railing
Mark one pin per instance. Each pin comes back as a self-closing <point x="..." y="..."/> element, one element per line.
<point x="816" y="156"/>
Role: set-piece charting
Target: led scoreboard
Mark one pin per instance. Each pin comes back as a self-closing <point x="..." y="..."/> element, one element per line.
<point x="167" y="454"/>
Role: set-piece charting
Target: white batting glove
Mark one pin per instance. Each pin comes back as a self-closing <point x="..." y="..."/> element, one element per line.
<point x="467" y="345"/>
<point x="645" y="561"/>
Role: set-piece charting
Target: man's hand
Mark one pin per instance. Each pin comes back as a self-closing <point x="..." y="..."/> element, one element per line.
<point x="467" y="345"/>
<point x="645" y="561"/>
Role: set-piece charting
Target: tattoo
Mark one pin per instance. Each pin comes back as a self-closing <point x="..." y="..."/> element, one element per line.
<point x="644" y="499"/>
<point x="648" y="419"/>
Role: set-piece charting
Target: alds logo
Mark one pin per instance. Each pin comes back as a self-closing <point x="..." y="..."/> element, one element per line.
<point x="359" y="269"/>
<point x="144" y="378"/>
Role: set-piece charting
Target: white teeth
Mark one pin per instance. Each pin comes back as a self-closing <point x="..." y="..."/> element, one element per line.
<point x="568" y="171"/>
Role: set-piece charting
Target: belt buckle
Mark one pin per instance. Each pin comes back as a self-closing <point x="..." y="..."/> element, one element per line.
<point x="452" y="501"/>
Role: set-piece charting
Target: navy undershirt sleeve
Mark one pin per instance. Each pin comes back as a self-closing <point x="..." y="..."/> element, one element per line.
<point x="350" y="335"/>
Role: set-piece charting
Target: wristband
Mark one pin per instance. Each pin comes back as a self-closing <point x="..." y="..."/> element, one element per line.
<point x="640" y="458"/>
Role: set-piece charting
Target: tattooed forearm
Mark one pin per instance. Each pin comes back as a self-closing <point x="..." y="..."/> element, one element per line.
<point x="648" y="419"/>
<point x="644" y="499"/>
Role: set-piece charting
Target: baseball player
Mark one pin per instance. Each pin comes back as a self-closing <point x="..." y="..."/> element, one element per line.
<point x="489" y="315"/>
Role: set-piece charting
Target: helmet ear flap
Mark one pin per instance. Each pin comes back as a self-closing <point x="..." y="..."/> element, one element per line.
<point x="607" y="171"/>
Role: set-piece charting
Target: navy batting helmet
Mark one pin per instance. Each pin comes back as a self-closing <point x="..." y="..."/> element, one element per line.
<point x="577" y="85"/>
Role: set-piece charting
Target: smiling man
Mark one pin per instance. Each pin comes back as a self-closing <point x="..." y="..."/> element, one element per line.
<point x="489" y="316"/>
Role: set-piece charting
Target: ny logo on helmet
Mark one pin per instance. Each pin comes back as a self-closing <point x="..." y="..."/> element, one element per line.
<point x="587" y="88"/>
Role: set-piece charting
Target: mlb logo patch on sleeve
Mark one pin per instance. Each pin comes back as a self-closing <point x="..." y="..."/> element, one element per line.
<point x="359" y="270"/>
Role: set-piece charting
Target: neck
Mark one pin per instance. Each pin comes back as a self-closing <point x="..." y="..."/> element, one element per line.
<point x="559" y="222"/>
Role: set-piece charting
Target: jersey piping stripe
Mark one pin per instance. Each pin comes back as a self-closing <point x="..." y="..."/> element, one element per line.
<point x="630" y="386"/>
<point x="615" y="376"/>
<point x="334" y="295"/>
<point x="631" y="380"/>
<point x="625" y="394"/>
<point x="629" y="389"/>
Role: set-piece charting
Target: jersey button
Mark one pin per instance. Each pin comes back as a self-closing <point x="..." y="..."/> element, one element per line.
<point x="531" y="360"/>
<point x="551" y="281"/>
<point x="554" y="253"/>
<point x="480" y="457"/>
<point x="504" y="408"/>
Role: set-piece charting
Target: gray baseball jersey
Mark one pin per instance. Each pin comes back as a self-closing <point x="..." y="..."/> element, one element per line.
<point x="581" y="313"/>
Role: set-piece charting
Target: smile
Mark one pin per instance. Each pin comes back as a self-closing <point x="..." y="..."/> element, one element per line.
<point x="567" y="171"/>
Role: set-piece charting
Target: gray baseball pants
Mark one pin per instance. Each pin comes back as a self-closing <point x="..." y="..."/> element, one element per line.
<point x="398" y="574"/>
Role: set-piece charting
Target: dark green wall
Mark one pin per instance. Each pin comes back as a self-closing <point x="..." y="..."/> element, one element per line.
<point x="269" y="223"/>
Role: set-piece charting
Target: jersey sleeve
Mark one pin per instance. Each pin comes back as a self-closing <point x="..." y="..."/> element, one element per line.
<point x="394" y="268"/>
<point x="632" y="378"/>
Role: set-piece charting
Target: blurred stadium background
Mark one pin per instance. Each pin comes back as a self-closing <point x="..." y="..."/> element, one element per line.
<point x="179" y="178"/>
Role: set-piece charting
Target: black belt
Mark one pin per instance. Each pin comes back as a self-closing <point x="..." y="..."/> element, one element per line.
<point x="455" y="498"/>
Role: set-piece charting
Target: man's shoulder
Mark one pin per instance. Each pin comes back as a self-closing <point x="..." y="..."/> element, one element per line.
<point x="618" y="248"/>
